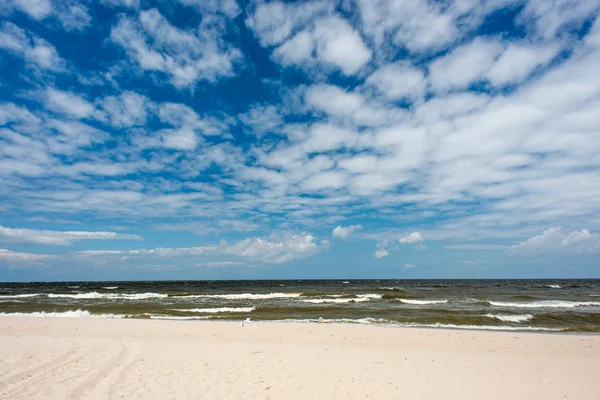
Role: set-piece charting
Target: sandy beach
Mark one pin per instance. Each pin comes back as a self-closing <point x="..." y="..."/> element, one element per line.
<point x="81" y="358"/>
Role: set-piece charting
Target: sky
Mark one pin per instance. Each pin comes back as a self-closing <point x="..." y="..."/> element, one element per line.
<point x="215" y="139"/>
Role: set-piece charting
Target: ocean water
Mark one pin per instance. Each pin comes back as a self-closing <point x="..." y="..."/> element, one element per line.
<point x="527" y="305"/>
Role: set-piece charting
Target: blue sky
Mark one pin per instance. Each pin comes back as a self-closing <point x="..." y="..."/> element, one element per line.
<point x="324" y="139"/>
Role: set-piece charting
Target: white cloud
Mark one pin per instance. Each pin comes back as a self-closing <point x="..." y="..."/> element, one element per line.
<point x="409" y="266"/>
<point x="273" y="249"/>
<point x="417" y="25"/>
<point x="333" y="100"/>
<point x="476" y="246"/>
<point x="36" y="9"/>
<point x="122" y="3"/>
<point x="276" y="248"/>
<point x="36" y="51"/>
<point x="8" y="255"/>
<point x="331" y="42"/>
<point x="73" y="16"/>
<point x="550" y="18"/>
<point x="262" y="119"/>
<point x="229" y="8"/>
<point x="338" y="45"/>
<point x="381" y="253"/>
<point x="299" y="50"/>
<point x="464" y="65"/>
<point x="216" y="264"/>
<point x="399" y="80"/>
<point x="186" y="57"/>
<point x="273" y="22"/>
<point x="518" y="61"/>
<point x="58" y="238"/>
<point x="343" y="232"/>
<point x="127" y="109"/>
<point x="67" y="103"/>
<point x="414" y="237"/>
<point x="554" y="241"/>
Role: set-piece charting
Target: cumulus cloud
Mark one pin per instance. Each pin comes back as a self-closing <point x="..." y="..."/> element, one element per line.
<point x="414" y="237"/>
<point x="403" y="113"/>
<point x="67" y="103"/>
<point x="409" y="266"/>
<point x="186" y="57"/>
<point x="343" y="232"/>
<point x="36" y="51"/>
<point x="399" y="80"/>
<point x="72" y="15"/>
<point x="554" y="241"/>
<point x="381" y="253"/>
<point x="58" y="238"/>
<point x="329" y="41"/>
<point x="126" y="109"/>
<point x="464" y="65"/>
<point x="273" y="249"/>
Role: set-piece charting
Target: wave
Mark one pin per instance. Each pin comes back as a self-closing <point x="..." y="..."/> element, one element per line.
<point x="20" y="296"/>
<point x="546" y="304"/>
<point x="159" y="316"/>
<point x="553" y="286"/>
<point x="113" y="296"/>
<point x="73" y="287"/>
<point x="217" y="310"/>
<point x="422" y="302"/>
<point x="511" y="318"/>
<point x="337" y="301"/>
<point x="393" y="289"/>
<point x="62" y="314"/>
<point x="110" y="287"/>
<point x="385" y="322"/>
<point x="483" y="327"/>
<point x="245" y="296"/>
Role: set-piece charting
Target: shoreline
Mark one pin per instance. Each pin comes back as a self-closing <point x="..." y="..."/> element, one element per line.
<point x="475" y="328"/>
<point x="134" y="358"/>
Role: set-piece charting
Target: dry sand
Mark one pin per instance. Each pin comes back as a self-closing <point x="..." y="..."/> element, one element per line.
<point x="54" y="358"/>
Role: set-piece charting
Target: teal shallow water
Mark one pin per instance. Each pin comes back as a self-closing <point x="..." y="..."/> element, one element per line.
<point x="544" y="305"/>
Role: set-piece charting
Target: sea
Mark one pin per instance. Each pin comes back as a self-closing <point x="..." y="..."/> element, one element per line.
<point x="503" y="305"/>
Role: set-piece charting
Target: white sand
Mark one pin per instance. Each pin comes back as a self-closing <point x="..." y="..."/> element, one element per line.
<point x="79" y="358"/>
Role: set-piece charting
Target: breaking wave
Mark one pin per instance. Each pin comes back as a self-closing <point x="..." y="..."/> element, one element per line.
<point x="62" y="314"/>
<point x="96" y="295"/>
<point x="217" y="310"/>
<point x="545" y="304"/>
<point x="511" y="318"/>
<point x="422" y="302"/>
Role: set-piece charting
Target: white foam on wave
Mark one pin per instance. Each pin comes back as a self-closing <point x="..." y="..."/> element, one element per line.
<point x="421" y="302"/>
<point x="20" y="296"/>
<point x="174" y="317"/>
<point x="245" y="296"/>
<point x="553" y="286"/>
<point x="369" y="296"/>
<point x="120" y="296"/>
<point x="110" y="287"/>
<point x="217" y="310"/>
<point x="545" y="304"/>
<point x="482" y="327"/>
<point x="384" y="322"/>
<point x="62" y="314"/>
<point x="511" y="318"/>
<point x="336" y="301"/>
